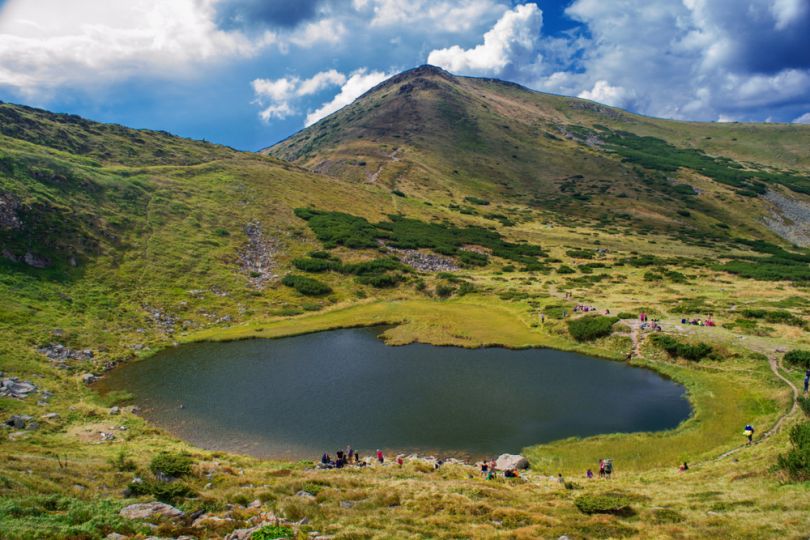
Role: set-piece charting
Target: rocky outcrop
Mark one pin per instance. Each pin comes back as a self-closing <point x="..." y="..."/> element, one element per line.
<point x="9" y="212"/>
<point x="257" y="259"/>
<point x="511" y="461"/>
<point x="61" y="354"/>
<point x="789" y="218"/>
<point x="150" y="510"/>
<point x="425" y="262"/>
<point x="13" y="387"/>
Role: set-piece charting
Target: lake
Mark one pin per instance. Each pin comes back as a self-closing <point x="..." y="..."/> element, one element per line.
<point x="297" y="397"/>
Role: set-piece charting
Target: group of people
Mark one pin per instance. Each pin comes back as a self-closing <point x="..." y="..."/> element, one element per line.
<point x="699" y="322"/>
<point x="349" y="457"/>
<point x="605" y="469"/>
<point x="489" y="470"/>
<point x="580" y="308"/>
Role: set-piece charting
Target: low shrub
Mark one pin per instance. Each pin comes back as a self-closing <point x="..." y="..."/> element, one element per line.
<point x="565" y="269"/>
<point x="476" y="200"/>
<point x="776" y="316"/>
<point x="271" y="532"/>
<point x="804" y="404"/>
<point x="591" y="327"/>
<point x="798" y="357"/>
<point x="444" y="291"/>
<point x="169" y="493"/>
<point x="472" y="258"/>
<point x="380" y="281"/>
<point x="306" y="286"/>
<point x="604" y="504"/>
<point x="676" y="349"/>
<point x="170" y="464"/>
<point x="315" y="265"/>
<point x="796" y="463"/>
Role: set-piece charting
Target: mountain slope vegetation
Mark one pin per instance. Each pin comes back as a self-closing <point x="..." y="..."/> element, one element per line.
<point x="457" y="211"/>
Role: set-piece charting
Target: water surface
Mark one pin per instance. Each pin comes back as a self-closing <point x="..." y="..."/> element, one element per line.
<point x="297" y="397"/>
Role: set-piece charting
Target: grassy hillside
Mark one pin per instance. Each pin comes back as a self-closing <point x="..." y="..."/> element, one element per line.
<point x="116" y="243"/>
<point x="441" y="138"/>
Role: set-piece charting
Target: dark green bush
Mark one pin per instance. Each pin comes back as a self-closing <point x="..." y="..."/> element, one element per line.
<point x="798" y="357"/>
<point x="676" y="349"/>
<point x="591" y="327"/>
<point x="604" y="504"/>
<point x="170" y="464"/>
<point x="472" y="258"/>
<point x="580" y="253"/>
<point x="796" y="463"/>
<point x="398" y="193"/>
<point x="565" y="269"/>
<point x="776" y="316"/>
<point x="444" y="291"/>
<point x="476" y="200"/>
<point x="306" y="286"/>
<point x="804" y="403"/>
<point x="315" y="265"/>
<point x="381" y="281"/>
<point x="272" y="532"/>
<point x="169" y="493"/>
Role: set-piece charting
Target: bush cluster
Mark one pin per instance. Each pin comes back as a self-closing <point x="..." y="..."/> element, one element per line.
<point x="170" y="464"/>
<point x="796" y="463"/>
<point x="776" y="316"/>
<point x="306" y="286"/>
<point x="676" y="349"/>
<point x="591" y="327"/>
<point x="337" y="228"/>
<point x="603" y="504"/>
<point x="798" y="357"/>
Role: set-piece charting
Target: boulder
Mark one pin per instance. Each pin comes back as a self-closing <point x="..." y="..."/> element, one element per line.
<point x="115" y="536"/>
<point x="511" y="461"/>
<point x="114" y="410"/>
<point x="150" y="510"/>
<point x="89" y="378"/>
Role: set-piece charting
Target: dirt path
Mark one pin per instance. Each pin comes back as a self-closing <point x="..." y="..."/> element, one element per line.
<point x="780" y="421"/>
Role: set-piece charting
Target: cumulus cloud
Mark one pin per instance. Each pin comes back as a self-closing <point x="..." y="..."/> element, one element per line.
<point x="46" y="44"/>
<point x="603" y="92"/>
<point x="441" y="16"/>
<point x="329" y="31"/>
<point x="511" y="41"/>
<point x="803" y="119"/>
<point x="358" y="83"/>
<point x="277" y="96"/>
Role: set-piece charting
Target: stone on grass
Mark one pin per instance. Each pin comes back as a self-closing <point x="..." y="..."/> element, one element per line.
<point x="511" y="461"/>
<point x="150" y="510"/>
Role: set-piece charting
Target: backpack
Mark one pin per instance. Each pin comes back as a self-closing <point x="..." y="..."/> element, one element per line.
<point x="608" y="466"/>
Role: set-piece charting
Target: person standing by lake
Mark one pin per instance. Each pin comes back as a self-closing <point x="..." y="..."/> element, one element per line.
<point x="380" y="457"/>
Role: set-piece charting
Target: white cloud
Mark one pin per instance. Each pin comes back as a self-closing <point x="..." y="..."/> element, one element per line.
<point x="50" y="43"/>
<point x="277" y="95"/>
<point x="511" y="40"/>
<point x="329" y="31"/>
<point x="615" y="96"/>
<point x="803" y="119"/>
<point x="443" y="16"/>
<point x="357" y="84"/>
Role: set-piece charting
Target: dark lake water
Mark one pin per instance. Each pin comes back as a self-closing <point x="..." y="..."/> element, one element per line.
<point x="297" y="397"/>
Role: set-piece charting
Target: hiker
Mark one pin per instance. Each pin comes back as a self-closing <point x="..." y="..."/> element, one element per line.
<point x="491" y="475"/>
<point x="438" y="464"/>
<point x="589" y="474"/>
<point x="560" y="479"/>
<point x="484" y="467"/>
<point x="356" y="456"/>
<point x="399" y="460"/>
<point x="601" y="468"/>
<point x="325" y="459"/>
<point x="349" y="453"/>
<point x="749" y="432"/>
<point x="380" y="457"/>
<point x="542" y="318"/>
<point x="510" y="473"/>
<point x="607" y="312"/>
<point x="608" y="468"/>
<point x="492" y="465"/>
<point x="684" y="467"/>
<point x="806" y="380"/>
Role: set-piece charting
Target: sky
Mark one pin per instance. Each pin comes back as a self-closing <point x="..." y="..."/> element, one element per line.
<point x="248" y="73"/>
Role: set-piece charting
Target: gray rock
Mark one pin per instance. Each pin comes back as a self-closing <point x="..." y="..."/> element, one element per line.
<point x="32" y="426"/>
<point x="50" y="416"/>
<point x="115" y="536"/>
<point x="305" y="494"/>
<point x="89" y="378"/>
<point x="511" y="461"/>
<point x="13" y="387"/>
<point x="347" y="504"/>
<point x="18" y="421"/>
<point x="150" y="510"/>
<point x="114" y="410"/>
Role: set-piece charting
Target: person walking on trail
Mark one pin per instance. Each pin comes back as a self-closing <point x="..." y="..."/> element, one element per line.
<point x="380" y="457"/>
<point x="806" y="381"/>
<point x="601" y="468"/>
<point x="608" y="468"/>
<point x="749" y="432"/>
